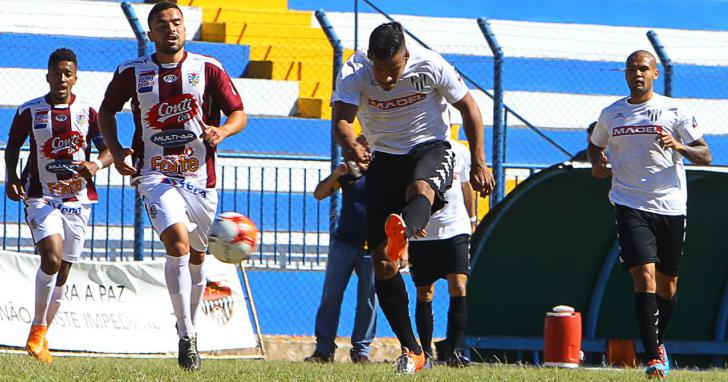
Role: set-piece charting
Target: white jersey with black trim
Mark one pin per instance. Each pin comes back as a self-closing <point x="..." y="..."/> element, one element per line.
<point x="453" y="219"/>
<point x="645" y="176"/>
<point x="414" y="111"/>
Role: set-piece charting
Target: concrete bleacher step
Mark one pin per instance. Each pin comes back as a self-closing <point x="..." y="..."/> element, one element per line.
<point x="292" y="52"/>
<point x="268" y="17"/>
<point x="80" y="18"/>
<point x="242" y="4"/>
<point x="260" y="97"/>
<point x="256" y="30"/>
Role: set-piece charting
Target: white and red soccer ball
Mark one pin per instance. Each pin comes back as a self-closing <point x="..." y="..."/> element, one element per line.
<point x="233" y="237"/>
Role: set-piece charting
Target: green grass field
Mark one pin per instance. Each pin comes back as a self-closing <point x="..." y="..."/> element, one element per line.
<point x="23" y="368"/>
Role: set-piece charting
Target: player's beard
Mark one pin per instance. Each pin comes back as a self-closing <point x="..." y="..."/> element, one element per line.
<point x="166" y="49"/>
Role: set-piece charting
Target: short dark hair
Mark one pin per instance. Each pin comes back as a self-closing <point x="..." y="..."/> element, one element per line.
<point x="158" y="8"/>
<point x="591" y="127"/>
<point x="386" y="40"/>
<point x="62" y="54"/>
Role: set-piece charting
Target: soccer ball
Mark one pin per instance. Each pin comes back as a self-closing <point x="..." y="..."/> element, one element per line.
<point x="233" y="237"/>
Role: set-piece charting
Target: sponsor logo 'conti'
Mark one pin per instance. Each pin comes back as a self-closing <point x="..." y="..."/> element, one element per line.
<point x="176" y="110"/>
<point x="60" y="167"/>
<point x="397" y="102"/>
<point x="180" y="165"/>
<point x="636" y="130"/>
<point x="173" y="138"/>
<point x="63" y="145"/>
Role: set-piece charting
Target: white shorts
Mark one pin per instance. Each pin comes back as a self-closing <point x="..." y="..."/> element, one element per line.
<point x="68" y="219"/>
<point x="170" y="201"/>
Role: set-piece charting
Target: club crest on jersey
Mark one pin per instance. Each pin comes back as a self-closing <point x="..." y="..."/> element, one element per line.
<point x="419" y="82"/>
<point x="63" y="145"/>
<point x="176" y="110"/>
<point x="146" y="82"/>
<point x="61" y="117"/>
<point x="81" y="120"/>
<point x="170" y="78"/>
<point x="40" y="120"/>
<point x="193" y="78"/>
<point x="695" y="122"/>
<point x="654" y="114"/>
<point x="397" y="102"/>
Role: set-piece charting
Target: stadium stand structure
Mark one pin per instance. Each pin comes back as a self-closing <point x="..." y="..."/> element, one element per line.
<point x="284" y="45"/>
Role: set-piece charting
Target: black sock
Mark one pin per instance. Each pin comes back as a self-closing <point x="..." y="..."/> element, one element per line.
<point x="394" y="302"/>
<point x="416" y="214"/>
<point x="457" y="317"/>
<point x="645" y="306"/>
<point x="425" y="321"/>
<point x="665" y="307"/>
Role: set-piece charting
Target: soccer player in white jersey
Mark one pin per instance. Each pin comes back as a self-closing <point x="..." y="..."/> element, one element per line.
<point x="646" y="136"/>
<point x="441" y="251"/>
<point x="400" y="94"/>
<point x="176" y="98"/>
<point x="56" y="185"/>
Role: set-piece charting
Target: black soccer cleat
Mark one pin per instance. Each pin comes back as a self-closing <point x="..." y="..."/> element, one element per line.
<point x="456" y="358"/>
<point x="317" y="357"/>
<point x="188" y="358"/>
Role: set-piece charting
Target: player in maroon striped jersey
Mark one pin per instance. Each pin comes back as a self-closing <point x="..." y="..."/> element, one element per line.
<point x="56" y="185"/>
<point x="176" y="98"/>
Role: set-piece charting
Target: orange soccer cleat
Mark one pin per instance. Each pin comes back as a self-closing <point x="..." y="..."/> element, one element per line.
<point x="396" y="232"/>
<point x="409" y="362"/>
<point x="37" y="345"/>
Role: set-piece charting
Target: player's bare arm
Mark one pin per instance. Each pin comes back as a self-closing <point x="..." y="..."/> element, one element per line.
<point x="328" y="186"/>
<point x="14" y="188"/>
<point x="480" y="176"/>
<point x="345" y="135"/>
<point x="697" y="151"/>
<point x="107" y="125"/>
<point x="235" y="123"/>
<point x="599" y="161"/>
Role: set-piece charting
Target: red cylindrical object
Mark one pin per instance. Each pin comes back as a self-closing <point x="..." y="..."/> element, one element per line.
<point x="562" y="339"/>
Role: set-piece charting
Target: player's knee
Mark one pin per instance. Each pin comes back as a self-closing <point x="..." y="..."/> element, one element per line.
<point x="458" y="289"/>
<point x="425" y="294"/>
<point x="667" y="290"/>
<point x="384" y="270"/>
<point x="644" y="279"/>
<point x="51" y="263"/>
<point x="420" y="187"/>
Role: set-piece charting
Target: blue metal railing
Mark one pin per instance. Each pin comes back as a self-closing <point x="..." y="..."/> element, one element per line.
<point x="142" y="41"/>
<point x="499" y="139"/>
<point x="664" y="59"/>
<point x="335" y="148"/>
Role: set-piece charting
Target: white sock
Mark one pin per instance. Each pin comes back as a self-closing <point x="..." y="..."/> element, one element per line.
<point x="55" y="303"/>
<point x="43" y="288"/>
<point x="179" y="285"/>
<point x="197" y="274"/>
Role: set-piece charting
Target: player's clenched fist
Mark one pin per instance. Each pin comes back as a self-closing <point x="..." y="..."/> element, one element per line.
<point x="481" y="179"/>
<point x="120" y="163"/>
<point x="599" y="167"/>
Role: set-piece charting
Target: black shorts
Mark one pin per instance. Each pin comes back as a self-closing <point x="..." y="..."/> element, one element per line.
<point x="646" y="237"/>
<point x="431" y="260"/>
<point x="389" y="176"/>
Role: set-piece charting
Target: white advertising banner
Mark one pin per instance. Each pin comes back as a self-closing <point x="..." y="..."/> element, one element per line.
<point x="122" y="307"/>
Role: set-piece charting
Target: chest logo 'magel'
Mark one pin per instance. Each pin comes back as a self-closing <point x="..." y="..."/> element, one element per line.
<point x="65" y="144"/>
<point x="636" y="130"/>
<point x="176" y="110"/>
<point x="397" y="102"/>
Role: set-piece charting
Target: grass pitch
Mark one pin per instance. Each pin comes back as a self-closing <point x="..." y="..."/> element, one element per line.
<point x="15" y="367"/>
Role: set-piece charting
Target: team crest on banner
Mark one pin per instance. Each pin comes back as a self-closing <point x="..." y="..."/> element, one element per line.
<point x="217" y="302"/>
<point x="654" y="114"/>
<point x="193" y="78"/>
